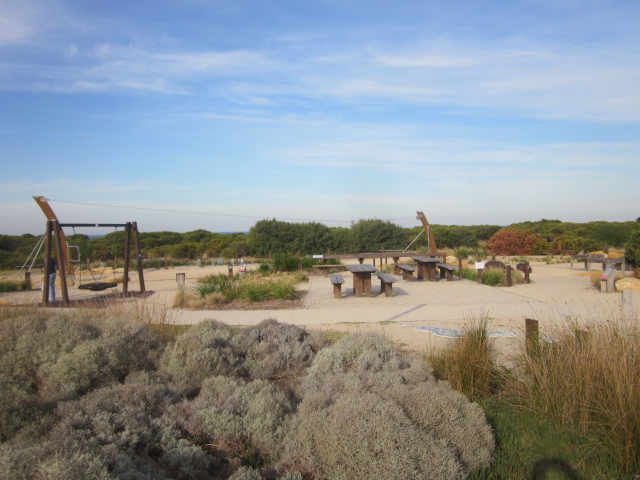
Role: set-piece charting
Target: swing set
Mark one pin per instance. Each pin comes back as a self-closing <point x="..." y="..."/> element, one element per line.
<point x="66" y="265"/>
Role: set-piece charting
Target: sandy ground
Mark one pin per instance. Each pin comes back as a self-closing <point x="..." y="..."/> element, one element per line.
<point x="557" y="293"/>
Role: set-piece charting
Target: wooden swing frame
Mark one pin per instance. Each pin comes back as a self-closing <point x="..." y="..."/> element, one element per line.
<point x="54" y="229"/>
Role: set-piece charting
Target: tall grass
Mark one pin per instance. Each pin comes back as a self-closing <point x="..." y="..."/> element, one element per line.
<point x="589" y="379"/>
<point x="468" y="362"/>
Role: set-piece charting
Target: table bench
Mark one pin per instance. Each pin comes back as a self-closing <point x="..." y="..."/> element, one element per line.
<point x="386" y="283"/>
<point x="446" y="270"/>
<point x="406" y="271"/>
<point x="337" y="281"/>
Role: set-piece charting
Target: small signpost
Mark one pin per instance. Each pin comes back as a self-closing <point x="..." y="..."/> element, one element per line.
<point x="607" y="281"/>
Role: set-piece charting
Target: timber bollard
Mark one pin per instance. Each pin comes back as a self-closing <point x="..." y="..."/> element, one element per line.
<point x="527" y="271"/>
<point x="180" y="280"/>
<point x="460" y="268"/>
<point x="230" y="270"/>
<point x="509" y="278"/>
<point x="532" y="336"/>
<point x="480" y="271"/>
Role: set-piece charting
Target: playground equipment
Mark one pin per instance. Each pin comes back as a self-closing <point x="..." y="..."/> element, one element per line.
<point x="66" y="265"/>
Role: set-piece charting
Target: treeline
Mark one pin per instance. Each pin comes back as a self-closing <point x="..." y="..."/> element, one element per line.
<point x="269" y="237"/>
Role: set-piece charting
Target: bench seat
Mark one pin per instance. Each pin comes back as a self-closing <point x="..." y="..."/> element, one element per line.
<point x="386" y="283"/>
<point x="446" y="271"/>
<point x="406" y="271"/>
<point x="337" y="280"/>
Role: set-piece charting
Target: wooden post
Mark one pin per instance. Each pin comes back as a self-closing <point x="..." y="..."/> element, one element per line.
<point x="460" y="268"/>
<point x="127" y="257"/>
<point x="136" y="243"/>
<point x="532" y="336"/>
<point x="47" y="262"/>
<point x="480" y="271"/>
<point x="527" y="269"/>
<point x="509" y="278"/>
<point x="230" y="270"/>
<point x="180" y="280"/>
<point x="60" y="246"/>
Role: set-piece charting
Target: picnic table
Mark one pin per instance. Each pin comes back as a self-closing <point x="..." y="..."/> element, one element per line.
<point x="362" y="278"/>
<point x="427" y="267"/>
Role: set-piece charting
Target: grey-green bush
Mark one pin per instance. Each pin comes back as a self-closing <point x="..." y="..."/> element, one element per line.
<point x="246" y="473"/>
<point x="232" y="410"/>
<point x="366" y="409"/>
<point x="203" y="351"/>
<point x="19" y="407"/>
<point x="275" y="350"/>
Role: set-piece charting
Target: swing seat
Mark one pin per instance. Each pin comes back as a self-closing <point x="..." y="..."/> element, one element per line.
<point x="97" y="286"/>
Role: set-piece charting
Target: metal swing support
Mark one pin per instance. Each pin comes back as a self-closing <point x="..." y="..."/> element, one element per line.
<point x="54" y="229"/>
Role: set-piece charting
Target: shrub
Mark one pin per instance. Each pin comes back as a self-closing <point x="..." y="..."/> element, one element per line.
<point x="362" y="435"/>
<point x="19" y="407"/>
<point x="203" y="351"/>
<point x="277" y="350"/>
<point x="231" y="411"/>
<point x="512" y="242"/>
<point x="494" y="277"/>
<point x="246" y="473"/>
<point x="632" y="248"/>
<point x="285" y="262"/>
<point x="362" y="401"/>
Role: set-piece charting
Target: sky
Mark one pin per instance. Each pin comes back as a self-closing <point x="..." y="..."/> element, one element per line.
<point x="215" y="114"/>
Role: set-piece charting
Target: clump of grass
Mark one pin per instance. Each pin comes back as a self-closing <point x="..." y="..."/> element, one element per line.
<point x="468" y="362"/>
<point x="14" y="285"/>
<point x="589" y="379"/>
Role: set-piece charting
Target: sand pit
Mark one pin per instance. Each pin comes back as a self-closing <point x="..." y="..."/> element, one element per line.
<point x="410" y="318"/>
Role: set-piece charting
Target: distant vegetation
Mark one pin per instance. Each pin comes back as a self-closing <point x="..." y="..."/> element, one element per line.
<point x="270" y="237"/>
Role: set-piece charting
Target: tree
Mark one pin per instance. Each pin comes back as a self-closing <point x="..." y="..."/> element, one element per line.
<point x="374" y="235"/>
<point x="632" y="248"/>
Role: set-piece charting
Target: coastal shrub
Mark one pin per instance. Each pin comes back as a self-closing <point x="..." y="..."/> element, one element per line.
<point x="362" y="435"/>
<point x="203" y="351"/>
<point x="64" y="356"/>
<point x="246" y="473"/>
<point x="357" y="352"/>
<point x="121" y="348"/>
<point x="361" y="400"/>
<point x="234" y="412"/>
<point x="19" y="407"/>
<point x="276" y="350"/>
<point x="494" y="277"/>
<point x="114" y="432"/>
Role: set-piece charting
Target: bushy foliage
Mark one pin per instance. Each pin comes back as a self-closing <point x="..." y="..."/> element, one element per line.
<point x="632" y="248"/>
<point x="62" y="357"/>
<point x="513" y="242"/>
<point x="203" y="351"/>
<point x="119" y="431"/>
<point x="235" y="412"/>
<point x="366" y="409"/>
<point x="275" y="351"/>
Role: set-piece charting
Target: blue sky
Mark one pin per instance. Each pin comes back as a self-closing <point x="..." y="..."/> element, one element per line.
<point x="215" y="114"/>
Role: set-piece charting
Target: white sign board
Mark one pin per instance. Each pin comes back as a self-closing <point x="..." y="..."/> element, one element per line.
<point x="318" y="256"/>
<point x="479" y="265"/>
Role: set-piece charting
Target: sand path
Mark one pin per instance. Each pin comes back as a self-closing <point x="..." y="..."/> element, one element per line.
<point x="557" y="292"/>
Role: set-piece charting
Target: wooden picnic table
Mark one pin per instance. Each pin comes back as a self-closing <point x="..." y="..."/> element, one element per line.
<point x="362" y="278"/>
<point x="427" y="268"/>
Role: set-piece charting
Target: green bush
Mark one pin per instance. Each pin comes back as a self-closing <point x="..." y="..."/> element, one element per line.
<point x="19" y="407"/>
